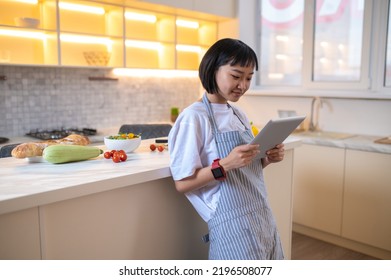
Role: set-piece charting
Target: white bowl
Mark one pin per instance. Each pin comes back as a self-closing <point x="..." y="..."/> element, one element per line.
<point x="27" y="22"/>
<point x="128" y="145"/>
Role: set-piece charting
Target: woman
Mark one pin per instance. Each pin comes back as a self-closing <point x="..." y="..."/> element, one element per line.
<point x="213" y="164"/>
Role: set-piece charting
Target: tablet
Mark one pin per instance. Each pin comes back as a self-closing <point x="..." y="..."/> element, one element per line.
<point x="275" y="132"/>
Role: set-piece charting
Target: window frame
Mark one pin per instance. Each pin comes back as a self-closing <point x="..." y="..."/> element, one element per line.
<point x="373" y="63"/>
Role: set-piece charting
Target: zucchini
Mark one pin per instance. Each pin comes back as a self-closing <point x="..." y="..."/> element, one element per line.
<point x="69" y="153"/>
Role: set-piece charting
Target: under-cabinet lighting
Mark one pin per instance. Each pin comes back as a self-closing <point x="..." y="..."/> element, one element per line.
<point x="23" y="34"/>
<point x="144" y="45"/>
<point x="140" y="17"/>
<point x="81" y="8"/>
<point x="85" y="39"/>
<point x="28" y="1"/>
<point x="187" y="23"/>
<point x="128" y="72"/>
<point x="188" y="48"/>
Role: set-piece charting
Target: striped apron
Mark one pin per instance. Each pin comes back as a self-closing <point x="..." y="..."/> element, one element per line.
<point x="242" y="227"/>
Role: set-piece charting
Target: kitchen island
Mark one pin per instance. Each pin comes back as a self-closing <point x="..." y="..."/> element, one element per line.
<point x="98" y="209"/>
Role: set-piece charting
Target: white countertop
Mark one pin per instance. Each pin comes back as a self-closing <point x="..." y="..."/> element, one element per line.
<point x="356" y="142"/>
<point x="26" y="184"/>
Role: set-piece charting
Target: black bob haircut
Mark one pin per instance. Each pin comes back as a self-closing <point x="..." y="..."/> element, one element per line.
<point x="224" y="51"/>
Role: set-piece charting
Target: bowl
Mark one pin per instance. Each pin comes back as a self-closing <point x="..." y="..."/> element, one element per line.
<point x="97" y="58"/>
<point x="27" y="22"/>
<point x="128" y="145"/>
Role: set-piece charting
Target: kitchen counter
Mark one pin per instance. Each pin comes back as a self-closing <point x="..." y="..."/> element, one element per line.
<point x="25" y="184"/>
<point x="356" y="142"/>
<point x="68" y="211"/>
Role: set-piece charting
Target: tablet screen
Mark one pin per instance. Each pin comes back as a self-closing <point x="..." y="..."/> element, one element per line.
<point x="275" y="132"/>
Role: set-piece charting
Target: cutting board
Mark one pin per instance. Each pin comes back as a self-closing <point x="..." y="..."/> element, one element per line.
<point x="385" y="140"/>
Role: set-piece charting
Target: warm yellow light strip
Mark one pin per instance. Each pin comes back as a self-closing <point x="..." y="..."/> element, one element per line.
<point x="28" y="1"/>
<point x="140" y="17"/>
<point x="187" y="23"/>
<point x="144" y="45"/>
<point x="155" y="73"/>
<point x="23" y="34"/>
<point x="188" y="48"/>
<point x="85" y="39"/>
<point x="81" y="8"/>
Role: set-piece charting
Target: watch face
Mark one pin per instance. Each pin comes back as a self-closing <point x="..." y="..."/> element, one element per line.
<point x="217" y="173"/>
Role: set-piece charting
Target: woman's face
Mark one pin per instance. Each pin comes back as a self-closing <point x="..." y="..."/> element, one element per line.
<point x="233" y="82"/>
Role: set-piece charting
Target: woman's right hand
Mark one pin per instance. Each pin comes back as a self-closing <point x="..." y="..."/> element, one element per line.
<point x="240" y="156"/>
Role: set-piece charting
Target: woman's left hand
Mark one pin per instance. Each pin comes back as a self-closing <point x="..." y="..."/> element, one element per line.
<point x="274" y="155"/>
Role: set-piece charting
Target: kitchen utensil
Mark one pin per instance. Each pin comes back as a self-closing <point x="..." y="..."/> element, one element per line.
<point x="97" y="58"/>
<point x="27" y="22"/>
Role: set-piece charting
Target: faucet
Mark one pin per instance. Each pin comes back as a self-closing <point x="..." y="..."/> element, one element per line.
<point x="314" y="125"/>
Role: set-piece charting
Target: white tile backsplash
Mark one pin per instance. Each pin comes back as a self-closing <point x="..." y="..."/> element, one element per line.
<point x="55" y="97"/>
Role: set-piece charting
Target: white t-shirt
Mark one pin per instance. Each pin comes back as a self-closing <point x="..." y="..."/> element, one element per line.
<point x="192" y="146"/>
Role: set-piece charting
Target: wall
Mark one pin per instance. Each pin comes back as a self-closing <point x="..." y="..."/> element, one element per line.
<point x="54" y="97"/>
<point x="368" y="117"/>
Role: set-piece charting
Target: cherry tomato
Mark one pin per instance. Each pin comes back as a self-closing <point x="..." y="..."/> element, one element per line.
<point x="152" y="147"/>
<point x="160" y="148"/>
<point x="107" y="155"/>
<point x="116" y="157"/>
<point x="112" y="152"/>
<point x="123" y="156"/>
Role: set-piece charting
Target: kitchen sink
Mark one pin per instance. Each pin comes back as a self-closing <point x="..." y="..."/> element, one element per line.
<point x="326" y="134"/>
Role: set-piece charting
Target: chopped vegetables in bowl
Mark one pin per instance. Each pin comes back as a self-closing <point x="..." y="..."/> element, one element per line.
<point x="127" y="142"/>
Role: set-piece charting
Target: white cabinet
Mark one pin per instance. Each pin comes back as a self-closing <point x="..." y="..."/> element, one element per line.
<point x="20" y="236"/>
<point x="343" y="196"/>
<point x="278" y="179"/>
<point x="367" y="198"/>
<point x="318" y="187"/>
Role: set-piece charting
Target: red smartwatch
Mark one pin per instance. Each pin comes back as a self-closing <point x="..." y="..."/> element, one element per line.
<point x="218" y="171"/>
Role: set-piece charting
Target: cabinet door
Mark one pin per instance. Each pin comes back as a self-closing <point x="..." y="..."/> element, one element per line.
<point x="20" y="235"/>
<point x="278" y="179"/>
<point x="28" y="33"/>
<point x="367" y="198"/>
<point x="318" y="187"/>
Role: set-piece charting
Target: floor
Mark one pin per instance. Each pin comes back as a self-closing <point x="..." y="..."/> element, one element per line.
<point x="307" y="248"/>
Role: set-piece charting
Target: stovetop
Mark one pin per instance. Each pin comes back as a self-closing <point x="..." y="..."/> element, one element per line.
<point x="60" y="133"/>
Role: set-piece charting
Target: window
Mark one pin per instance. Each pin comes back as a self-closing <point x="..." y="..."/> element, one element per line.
<point x="338" y="40"/>
<point x="323" y="45"/>
<point x="281" y="42"/>
<point x="387" y="79"/>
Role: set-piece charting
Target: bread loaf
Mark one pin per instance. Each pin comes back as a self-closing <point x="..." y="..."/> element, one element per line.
<point x="33" y="149"/>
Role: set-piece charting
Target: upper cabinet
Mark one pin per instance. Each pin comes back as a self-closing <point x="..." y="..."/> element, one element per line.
<point x="102" y="34"/>
<point x="90" y="34"/>
<point x="28" y="32"/>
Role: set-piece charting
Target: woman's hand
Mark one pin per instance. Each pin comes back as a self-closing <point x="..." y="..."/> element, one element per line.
<point x="274" y="155"/>
<point x="240" y="156"/>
